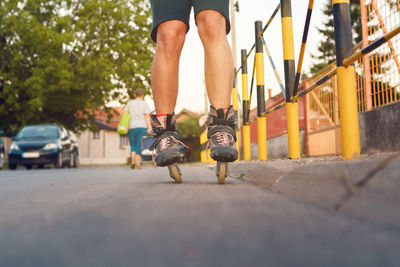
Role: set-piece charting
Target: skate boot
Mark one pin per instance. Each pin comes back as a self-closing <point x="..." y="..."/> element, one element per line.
<point x="222" y="139"/>
<point x="166" y="144"/>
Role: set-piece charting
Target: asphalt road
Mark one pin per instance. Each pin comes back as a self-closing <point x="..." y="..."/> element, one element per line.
<point x="121" y="217"/>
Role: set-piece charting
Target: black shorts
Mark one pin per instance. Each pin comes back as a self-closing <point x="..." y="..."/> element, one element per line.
<point x="164" y="10"/>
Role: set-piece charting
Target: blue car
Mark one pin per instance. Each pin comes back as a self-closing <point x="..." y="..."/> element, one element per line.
<point x="40" y="145"/>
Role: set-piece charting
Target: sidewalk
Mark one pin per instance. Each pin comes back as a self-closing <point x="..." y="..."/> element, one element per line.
<point x="366" y="189"/>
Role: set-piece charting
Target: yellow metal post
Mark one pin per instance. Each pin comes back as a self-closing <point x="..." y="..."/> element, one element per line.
<point x="346" y="80"/>
<point x="205" y="154"/>
<point x="245" y="96"/>
<point x="348" y="112"/>
<point x="203" y="143"/>
<point x="293" y="128"/>
<point x="246" y="143"/>
<point x="261" y="120"/>
<point x="292" y="113"/>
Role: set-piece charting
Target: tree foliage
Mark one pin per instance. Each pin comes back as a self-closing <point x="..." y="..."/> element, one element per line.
<point x="189" y="128"/>
<point x="60" y="60"/>
<point x="326" y="49"/>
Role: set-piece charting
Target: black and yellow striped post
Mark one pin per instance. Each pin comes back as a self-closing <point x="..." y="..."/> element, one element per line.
<point x="245" y="96"/>
<point x="278" y="78"/>
<point x="292" y="112"/>
<point x="303" y="46"/>
<point x="235" y="104"/>
<point x="261" y="119"/>
<point x="346" y="80"/>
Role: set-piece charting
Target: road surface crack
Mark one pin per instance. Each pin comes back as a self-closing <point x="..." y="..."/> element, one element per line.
<point x="363" y="182"/>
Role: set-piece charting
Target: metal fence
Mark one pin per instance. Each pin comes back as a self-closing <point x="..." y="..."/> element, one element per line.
<point x="322" y="103"/>
<point x="377" y="74"/>
<point x="383" y="16"/>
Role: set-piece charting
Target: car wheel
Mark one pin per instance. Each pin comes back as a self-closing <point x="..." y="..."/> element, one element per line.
<point x="59" y="163"/>
<point x="12" y="166"/>
<point x="40" y="166"/>
<point x="75" y="163"/>
<point x="28" y="167"/>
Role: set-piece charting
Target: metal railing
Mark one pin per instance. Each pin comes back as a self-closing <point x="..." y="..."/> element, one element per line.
<point x="347" y="86"/>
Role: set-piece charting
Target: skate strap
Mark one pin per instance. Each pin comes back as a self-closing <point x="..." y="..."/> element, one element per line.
<point x="163" y="121"/>
<point x="219" y="121"/>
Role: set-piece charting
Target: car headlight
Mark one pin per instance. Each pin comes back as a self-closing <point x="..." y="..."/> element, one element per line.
<point x="14" y="146"/>
<point x="50" y="146"/>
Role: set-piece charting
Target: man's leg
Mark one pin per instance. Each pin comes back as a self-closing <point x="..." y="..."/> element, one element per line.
<point x="218" y="57"/>
<point x="170" y="39"/>
<point x="164" y="79"/>
<point x="219" y="81"/>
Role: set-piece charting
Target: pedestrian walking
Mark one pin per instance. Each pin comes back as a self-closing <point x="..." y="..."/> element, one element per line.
<point x="170" y="25"/>
<point x="139" y="125"/>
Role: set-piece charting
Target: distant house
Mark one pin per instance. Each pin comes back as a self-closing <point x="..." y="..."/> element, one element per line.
<point x="106" y="145"/>
<point x="185" y="114"/>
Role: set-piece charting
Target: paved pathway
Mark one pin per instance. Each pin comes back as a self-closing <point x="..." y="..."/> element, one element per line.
<point x="121" y="217"/>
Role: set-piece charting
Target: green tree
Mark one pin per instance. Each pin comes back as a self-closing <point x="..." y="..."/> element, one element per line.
<point x="326" y="49"/>
<point x="60" y="60"/>
<point x="189" y="128"/>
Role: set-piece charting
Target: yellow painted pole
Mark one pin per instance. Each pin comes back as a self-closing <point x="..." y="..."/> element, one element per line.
<point x="292" y="113"/>
<point x="205" y="154"/>
<point x="261" y="120"/>
<point x="346" y="80"/>
<point x="203" y="143"/>
<point x="246" y="143"/>
<point x="245" y="96"/>
<point x="293" y="128"/>
<point x="348" y="112"/>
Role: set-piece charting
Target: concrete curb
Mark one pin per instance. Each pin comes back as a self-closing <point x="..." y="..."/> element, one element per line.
<point x="366" y="188"/>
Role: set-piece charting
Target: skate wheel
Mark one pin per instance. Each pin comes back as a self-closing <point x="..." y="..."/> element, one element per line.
<point x="222" y="168"/>
<point x="175" y="173"/>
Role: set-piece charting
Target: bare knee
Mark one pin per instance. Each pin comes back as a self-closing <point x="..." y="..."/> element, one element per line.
<point x="211" y="25"/>
<point x="171" y="37"/>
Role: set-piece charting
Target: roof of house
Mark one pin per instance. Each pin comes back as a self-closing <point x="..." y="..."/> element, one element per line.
<point x="186" y="113"/>
<point x="103" y="122"/>
<point x="104" y="126"/>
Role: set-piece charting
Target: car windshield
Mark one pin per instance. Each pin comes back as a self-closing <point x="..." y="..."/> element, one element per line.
<point x="40" y="131"/>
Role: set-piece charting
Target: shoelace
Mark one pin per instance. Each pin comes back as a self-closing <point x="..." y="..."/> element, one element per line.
<point x="165" y="143"/>
<point x="223" y="138"/>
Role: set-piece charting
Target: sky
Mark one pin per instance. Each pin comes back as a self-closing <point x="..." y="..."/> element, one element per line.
<point x="191" y="75"/>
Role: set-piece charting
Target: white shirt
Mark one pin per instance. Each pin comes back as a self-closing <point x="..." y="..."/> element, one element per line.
<point x="137" y="108"/>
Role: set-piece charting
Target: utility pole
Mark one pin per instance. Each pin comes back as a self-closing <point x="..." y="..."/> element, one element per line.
<point x="233" y="10"/>
<point x="233" y="32"/>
